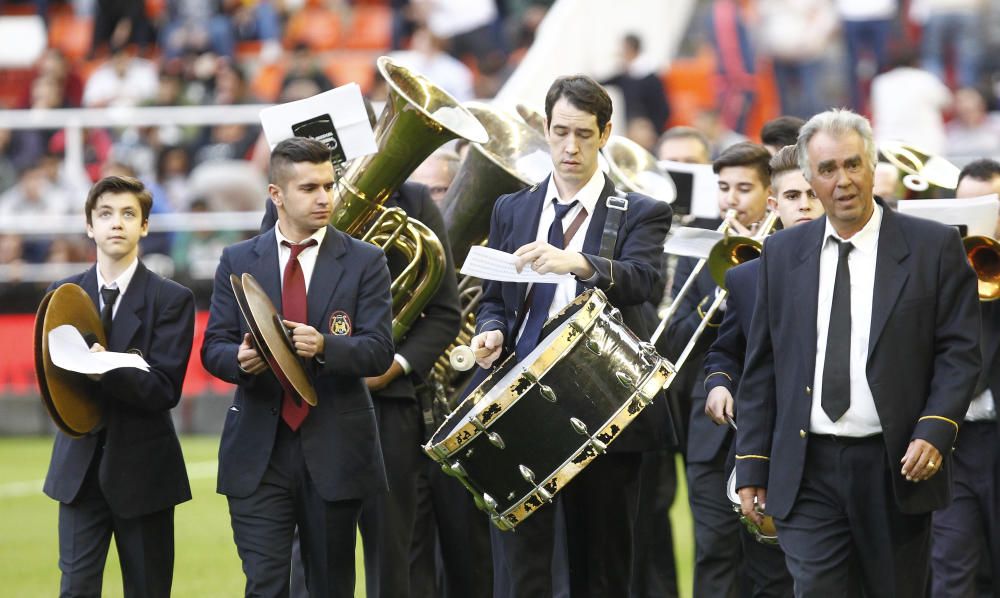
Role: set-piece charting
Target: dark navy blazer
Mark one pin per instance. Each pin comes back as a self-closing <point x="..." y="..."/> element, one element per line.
<point x="339" y="437"/>
<point x="142" y="468"/>
<point x="923" y="355"/>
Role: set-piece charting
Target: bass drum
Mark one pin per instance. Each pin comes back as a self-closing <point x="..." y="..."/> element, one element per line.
<point x="530" y="427"/>
<point x="766" y="533"/>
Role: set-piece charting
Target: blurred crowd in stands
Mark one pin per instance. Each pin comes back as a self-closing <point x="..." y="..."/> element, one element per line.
<point x="927" y="71"/>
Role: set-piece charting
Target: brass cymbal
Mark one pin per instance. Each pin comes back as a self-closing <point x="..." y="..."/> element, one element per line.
<point x="271" y="337"/>
<point x="68" y="396"/>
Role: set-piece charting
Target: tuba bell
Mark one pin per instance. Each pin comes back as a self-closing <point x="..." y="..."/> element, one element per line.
<point x="633" y="168"/>
<point x="516" y="156"/>
<point x="418" y="118"/>
<point x="925" y="174"/>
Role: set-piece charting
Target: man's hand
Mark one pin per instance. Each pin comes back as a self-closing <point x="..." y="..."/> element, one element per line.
<point x="249" y="360"/>
<point x="308" y="341"/>
<point x="753" y="500"/>
<point x="545" y="258"/>
<point x="379" y="382"/>
<point x="736" y="227"/>
<point x="921" y="461"/>
<point x="96" y="348"/>
<point x="719" y="404"/>
<point x="487" y="347"/>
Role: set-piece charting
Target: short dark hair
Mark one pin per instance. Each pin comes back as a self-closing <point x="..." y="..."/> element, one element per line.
<point x="784" y="160"/>
<point x="633" y="42"/>
<point x="982" y="169"/>
<point x="119" y="184"/>
<point x="781" y="131"/>
<point x="583" y="93"/>
<point x="293" y="151"/>
<point x="746" y="154"/>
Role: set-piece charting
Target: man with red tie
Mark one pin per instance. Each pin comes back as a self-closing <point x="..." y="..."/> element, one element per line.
<point x="282" y="463"/>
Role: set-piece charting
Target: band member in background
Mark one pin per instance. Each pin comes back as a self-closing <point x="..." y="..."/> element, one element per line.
<point x="573" y="203"/>
<point x="980" y="177"/>
<point x="795" y="203"/>
<point x="125" y="479"/>
<point x="654" y="569"/>
<point x="971" y="522"/>
<point x="863" y="356"/>
<point x="744" y="179"/>
<point x="447" y="523"/>
<point x="281" y="462"/>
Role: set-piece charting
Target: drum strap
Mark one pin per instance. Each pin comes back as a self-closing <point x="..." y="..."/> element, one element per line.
<point x="617" y="206"/>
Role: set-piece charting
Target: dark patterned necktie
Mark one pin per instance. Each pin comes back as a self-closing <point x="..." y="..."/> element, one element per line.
<point x="109" y="295"/>
<point x="837" y="366"/>
<point x="294" y="308"/>
<point x="542" y="294"/>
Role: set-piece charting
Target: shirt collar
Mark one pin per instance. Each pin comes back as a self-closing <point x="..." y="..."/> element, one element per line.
<point x="588" y="195"/>
<point x="121" y="282"/>
<point x="319" y="235"/>
<point x="866" y="239"/>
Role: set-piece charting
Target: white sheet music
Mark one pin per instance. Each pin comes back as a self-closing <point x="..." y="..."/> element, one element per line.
<point x="490" y="264"/>
<point x="691" y="241"/>
<point x="69" y="351"/>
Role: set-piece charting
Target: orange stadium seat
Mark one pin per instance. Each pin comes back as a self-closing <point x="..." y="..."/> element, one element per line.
<point x="155" y="8"/>
<point x="318" y="28"/>
<point x="347" y="67"/>
<point x="266" y="84"/>
<point x="370" y="28"/>
<point x="71" y="35"/>
<point x="690" y="85"/>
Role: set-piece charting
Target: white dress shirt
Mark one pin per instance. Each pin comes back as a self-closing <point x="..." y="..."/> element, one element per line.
<point x="121" y="283"/>
<point x="861" y="418"/>
<point x="587" y="196"/>
<point x="307" y="259"/>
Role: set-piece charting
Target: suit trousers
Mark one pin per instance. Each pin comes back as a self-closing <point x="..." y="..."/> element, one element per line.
<point x="387" y="519"/>
<point x="972" y="520"/>
<point x="654" y="573"/>
<point x="717" y="571"/>
<point x="450" y="553"/>
<point x="845" y="530"/>
<point x="599" y="507"/>
<point x="145" y="545"/>
<point x="264" y="523"/>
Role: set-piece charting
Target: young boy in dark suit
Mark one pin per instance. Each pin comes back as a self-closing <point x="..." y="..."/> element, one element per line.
<point x="125" y="478"/>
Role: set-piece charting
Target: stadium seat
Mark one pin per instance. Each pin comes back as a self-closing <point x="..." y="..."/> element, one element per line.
<point x="345" y="67"/>
<point x="266" y="84"/>
<point x="318" y="28"/>
<point x="71" y="35"/>
<point x="370" y="28"/>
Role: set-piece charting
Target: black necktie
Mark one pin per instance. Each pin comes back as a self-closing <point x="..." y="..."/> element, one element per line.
<point x="837" y="366"/>
<point x="542" y="295"/>
<point x="108" y="295"/>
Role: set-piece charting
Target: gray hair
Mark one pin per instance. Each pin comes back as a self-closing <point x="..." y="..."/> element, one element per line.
<point x="836" y="122"/>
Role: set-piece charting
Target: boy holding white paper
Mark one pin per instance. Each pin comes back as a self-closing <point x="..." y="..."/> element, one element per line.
<point x="125" y="477"/>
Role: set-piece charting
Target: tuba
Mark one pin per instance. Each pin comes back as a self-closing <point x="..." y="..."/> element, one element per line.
<point x="632" y="168"/>
<point x="925" y="174"/>
<point x="515" y="157"/>
<point x="418" y="118"/>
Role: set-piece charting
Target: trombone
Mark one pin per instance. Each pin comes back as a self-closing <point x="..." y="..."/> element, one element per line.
<point x="730" y="251"/>
<point x="983" y="254"/>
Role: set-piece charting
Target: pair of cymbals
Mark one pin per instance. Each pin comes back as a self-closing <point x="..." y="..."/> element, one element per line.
<point x="69" y="397"/>
<point x="271" y="337"/>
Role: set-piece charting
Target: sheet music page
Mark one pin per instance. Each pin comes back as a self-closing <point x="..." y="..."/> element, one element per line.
<point x="691" y="241"/>
<point x="69" y="351"/>
<point x="490" y="264"/>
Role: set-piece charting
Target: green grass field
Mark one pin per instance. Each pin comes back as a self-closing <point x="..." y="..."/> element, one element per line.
<point x="206" y="562"/>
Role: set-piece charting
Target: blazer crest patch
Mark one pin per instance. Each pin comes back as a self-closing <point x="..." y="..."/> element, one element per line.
<point x="340" y="323"/>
